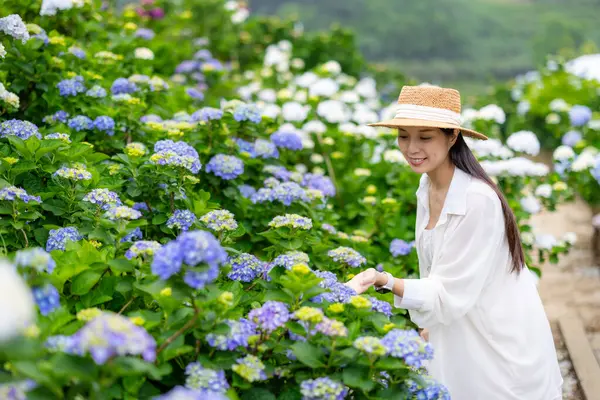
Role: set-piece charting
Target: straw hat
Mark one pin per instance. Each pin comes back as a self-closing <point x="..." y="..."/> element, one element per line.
<point x="429" y="106"/>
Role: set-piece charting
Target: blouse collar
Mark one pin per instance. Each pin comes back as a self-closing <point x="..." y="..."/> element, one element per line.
<point x="456" y="198"/>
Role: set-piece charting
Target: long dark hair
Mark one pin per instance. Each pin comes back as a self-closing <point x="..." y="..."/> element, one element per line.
<point x="462" y="157"/>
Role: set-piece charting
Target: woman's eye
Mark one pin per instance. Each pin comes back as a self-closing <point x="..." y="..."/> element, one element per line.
<point x="402" y="137"/>
<point x="425" y="138"/>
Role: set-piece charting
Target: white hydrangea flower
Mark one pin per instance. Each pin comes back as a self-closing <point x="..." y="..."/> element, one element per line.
<point x="562" y="153"/>
<point x="544" y="190"/>
<point x="584" y="161"/>
<point x="545" y="241"/>
<point x="367" y="88"/>
<point x="17" y="307"/>
<point x="570" y="237"/>
<point x="333" y="67"/>
<point x="326" y="87"/>
<point x="293" y="111"/>
<point x="525" y="142"/>
<point x="333" y="111"/>
<point x="528" y="238"/>
<point x="531" y="204"/>
<point x="558" y="105"/>
<point x="394" y="156"/>
<point x="2" y="51"/>
<point x="314" y="126"/>
<point x="492" y="112"/>
<point x="143" y="53"/>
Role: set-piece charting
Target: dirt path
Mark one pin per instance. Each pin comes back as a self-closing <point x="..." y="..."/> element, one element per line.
<point x="574" y="283"/>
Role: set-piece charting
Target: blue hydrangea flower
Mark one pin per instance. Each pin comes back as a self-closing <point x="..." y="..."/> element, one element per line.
<point x="16" y="390"/>
<point x="294" y="221"/>
<point x="220" y="220"/>
<point x="207" y="114"/>
<point x="59" y="136"/>
<point x="183" y="393"/>
<point x="329" y="228"/>
<point x="580" y="115"/>
<point x="429" y="390"/>
<point x="347" y="255"/>
<point x="245" y="147"/>
<point x="105" y="124"/>
<point x="265" y="149"/>
<point x="111" y="335"/>
<point x="131" y="236"/>
<point x="59" y="116"/>
<point x="150" y="118"/>
<point x="194" y="248"/>
<point x="287" y="140"/>
<point x="96" y="91"/>
<point x="14" y="26"/>
<point x="571" y="138"/>
<point x="409" y="346"/>
<point x="323" y="388"/>
<point x="80" y="123"/>
<point x="225" y="166"/>
<point x="145" y="33"/>
<point x="399" y="247"/>
<point x="381" y="306"/>
<point x="77" y="52"/>
<point x="245" y="267"/>
<point x="250" y="368"/>
<point x="71" y="87"/>
<point x="272" y="315"/>
<point x="238" y="335"/>
<point x="21" y="129"/>
<point x="123" y="86"/>
<point x="57" y="238"/>
<point x="181" y="154"/>
<point x="319" y="182"/>
<point x="122" y="212"/>
<point x="47" y="298"/>
<point x="142" y="247"/>
<point x="35" y="257"/>
<point x="11" y="193"/>
<point x="203" y="54"/>
<point x="278" y="172"/>
<point x="338" y="293"/>
<point x="285" y="193"/>
<point x="182" y="219"/>
<point x="186" y="66"/>
<point x="246" y="190"/>
<point x="79" y="173"/>
<point x="290" y="258"/>
<point x="205" y="379"/>
<point x="103" y="198"/>
<point x="195" y="94"/>
<point x="247" y="112"/>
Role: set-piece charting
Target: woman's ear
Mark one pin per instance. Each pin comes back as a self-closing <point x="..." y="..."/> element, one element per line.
<point x="454" y="137"/>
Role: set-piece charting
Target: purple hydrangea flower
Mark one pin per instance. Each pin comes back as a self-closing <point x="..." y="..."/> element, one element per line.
<point x="265" y="149"/>
<point x="180" y="154"/>
<point x="428" y="390"/>
<point x="123" y="86"/>
<point x="287" y="140"/>
<point x="580" y="115"/>
<point x="285" y="193"/>
<point x="186" y="66"/>
<point x="182" y="219"/>
<point x="151" y="118"/>
<point x="225" y="166"/>
<point x="272" y="315"/>
<point x="203" y="54"/>
<point x="239" y="332"/>
<point x="21" y="129"/>
<point x="183" y="393"/>
<point x="77" y="52"/>
<point x="57" y="239"/>
<point x="71" y="87"/>
<point x="80" y="123"/>
<point x="399" y="247"/>
<point x="289" y="259"/>
<point x="278" y="172"/>
<point x="14" y="26"/>
<point x="167" y="260"/>
<point x="142" y="247"/>
<point x="245" y="147"/>
<point x="47" y="298"/>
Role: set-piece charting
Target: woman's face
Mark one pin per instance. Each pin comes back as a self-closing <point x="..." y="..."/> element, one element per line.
<point x="425" y="149"/>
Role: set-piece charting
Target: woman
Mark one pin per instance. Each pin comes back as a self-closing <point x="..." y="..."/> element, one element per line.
<point x="475" y="299"/>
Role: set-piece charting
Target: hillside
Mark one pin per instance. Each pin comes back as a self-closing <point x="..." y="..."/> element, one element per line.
<point x="469" y="42"/>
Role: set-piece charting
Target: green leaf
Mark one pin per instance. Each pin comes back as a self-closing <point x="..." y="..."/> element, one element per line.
<point x="19" y="145"/>
<point x="258" y="394"/>
<point x="390" y="363"/>
<point x="278" y="295"/>
<point x="290" y="393"/>
<point x="358" y="377"/>
<point x="120" y="265"/>
<point x="131" y="366"/>
<point x="176" y="348"/>
<point x="30" y="369"/>
<point x="83" y="282"/>
<point x="159" y="219"/>
<point x="67" y="366"/>
<point x="308" y="354"/>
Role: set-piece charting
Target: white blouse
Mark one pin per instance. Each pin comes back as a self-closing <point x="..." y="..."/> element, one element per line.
<point x="488" y="328"/>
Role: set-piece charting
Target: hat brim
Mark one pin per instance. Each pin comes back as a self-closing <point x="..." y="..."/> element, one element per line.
<point x="400" y="122"/>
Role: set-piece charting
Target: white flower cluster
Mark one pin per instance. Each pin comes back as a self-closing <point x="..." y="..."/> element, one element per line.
<point x="8" y="97"/>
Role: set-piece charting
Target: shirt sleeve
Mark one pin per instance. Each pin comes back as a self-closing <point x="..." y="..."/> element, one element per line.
<point x="460" y="272"/>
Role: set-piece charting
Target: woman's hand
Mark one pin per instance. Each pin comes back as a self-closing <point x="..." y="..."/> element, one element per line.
<point x="364" y="280"/>
<point x="424" y="334"/>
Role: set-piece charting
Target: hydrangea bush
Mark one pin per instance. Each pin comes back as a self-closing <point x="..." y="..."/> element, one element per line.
<point x="180" y="225"/>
